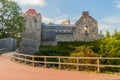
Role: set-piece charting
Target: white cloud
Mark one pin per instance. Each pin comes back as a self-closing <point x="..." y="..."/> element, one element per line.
<point x="106" y="27"/>
<point x="74" y="19"/>
<point x="40" y="3"/>
<point x="111" y="20"/>
<point x="46" y="19"/>
<point x="56" y="20"/>
<point x="117" y="3"/>
<point x="60" y="19"/>
<point x="110" y="24"/>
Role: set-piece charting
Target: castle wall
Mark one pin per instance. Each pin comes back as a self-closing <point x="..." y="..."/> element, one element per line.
<point x="64" y="37"/>
<point x="85" y="29"/>
<point x="48" y="43"/>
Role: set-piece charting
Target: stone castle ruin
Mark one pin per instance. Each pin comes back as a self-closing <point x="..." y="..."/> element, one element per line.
<point x="85" y="29"/>
<point x="38" y="33"/>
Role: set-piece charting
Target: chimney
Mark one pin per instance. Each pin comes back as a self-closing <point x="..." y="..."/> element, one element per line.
<point x="85" y="13"/>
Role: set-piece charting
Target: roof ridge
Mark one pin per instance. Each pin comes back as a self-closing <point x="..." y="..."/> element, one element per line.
<point x="31" y="11"/>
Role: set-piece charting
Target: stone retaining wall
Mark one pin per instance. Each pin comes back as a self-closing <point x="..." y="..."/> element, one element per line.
<point x="7" y="45"/>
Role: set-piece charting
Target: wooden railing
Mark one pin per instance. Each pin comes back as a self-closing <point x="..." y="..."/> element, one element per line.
<point x="33" y="60"/>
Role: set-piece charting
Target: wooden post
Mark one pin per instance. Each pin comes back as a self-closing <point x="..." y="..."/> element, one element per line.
<point x="33" y="62"/>
<point x="25" y="60"/>
<point x="59" y="63"/>
<point x="77" y="64"/>
<point x="98" y="65"/>
<point x="18" y="59"/>
<point x="44" y="61"/>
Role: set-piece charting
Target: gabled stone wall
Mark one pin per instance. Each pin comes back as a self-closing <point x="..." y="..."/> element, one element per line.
<point x="86" y="28"/>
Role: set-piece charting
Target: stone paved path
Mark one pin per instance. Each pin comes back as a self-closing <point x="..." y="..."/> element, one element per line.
<point x="12" y="71"/>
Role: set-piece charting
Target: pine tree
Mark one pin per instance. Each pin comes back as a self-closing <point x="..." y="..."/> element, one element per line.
<point x="101" y="33"/>
<point x="107" y="34"/>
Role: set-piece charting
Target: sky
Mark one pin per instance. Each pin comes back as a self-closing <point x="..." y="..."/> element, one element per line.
<point x="106" y="12"/>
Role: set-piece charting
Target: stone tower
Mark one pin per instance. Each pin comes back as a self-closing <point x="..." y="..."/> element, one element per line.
<point x="66" y="22"/>
<point x="33" y="25"/>
<point x="86" y="28"/>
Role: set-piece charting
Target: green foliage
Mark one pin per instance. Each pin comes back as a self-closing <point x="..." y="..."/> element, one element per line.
<point x="107" y="34"/>
<point x="51" y="51"/>
<point x="108" y="47"/>
<point x="51" y="23"/>
<point x="83" y="51"/>
<point x="101" y="33"/>
<point x="47" y="51"/>
<point x="11" y="19"/>
<point x="3" y="34"/>
<point x="116" y="35"/>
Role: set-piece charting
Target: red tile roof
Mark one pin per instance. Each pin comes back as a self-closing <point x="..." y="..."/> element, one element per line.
<point x="31" y="11"/>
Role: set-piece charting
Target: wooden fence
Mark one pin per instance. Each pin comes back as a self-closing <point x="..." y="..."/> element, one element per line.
<point x="33" y="60"/>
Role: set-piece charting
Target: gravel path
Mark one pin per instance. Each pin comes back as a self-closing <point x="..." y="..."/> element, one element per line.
<point x="12" y="71"/>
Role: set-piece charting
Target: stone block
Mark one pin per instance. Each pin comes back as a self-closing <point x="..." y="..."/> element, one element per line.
<point x="7" y="45"/>
<point x="29" y="46"/>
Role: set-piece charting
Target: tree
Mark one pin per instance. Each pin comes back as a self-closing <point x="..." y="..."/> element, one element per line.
<point x="116" y="35"/>
<point x="115" y="32"/>
<point x="51" y="23"/>
<point x="107" y="34"/>
<point x="101" y="33"/>
<point x="11" y="20"/>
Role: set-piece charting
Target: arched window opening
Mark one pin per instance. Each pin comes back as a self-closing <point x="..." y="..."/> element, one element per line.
<point x="86" y="27"/>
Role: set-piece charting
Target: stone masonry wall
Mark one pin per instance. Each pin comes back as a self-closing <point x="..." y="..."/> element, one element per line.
<point x="86" y="28"/>
<point x="33" y="27"/>
<point x="7" y="45"/>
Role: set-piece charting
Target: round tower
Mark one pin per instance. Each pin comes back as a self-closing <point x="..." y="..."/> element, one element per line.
<point x="33" y="25"/>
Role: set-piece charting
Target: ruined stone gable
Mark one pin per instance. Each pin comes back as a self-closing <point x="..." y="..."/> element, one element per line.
<point x="86" y="28"/>
<point x="66" y="22"/>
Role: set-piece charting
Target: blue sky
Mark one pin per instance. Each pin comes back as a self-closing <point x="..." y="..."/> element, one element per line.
<point x="106" y="12"/>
